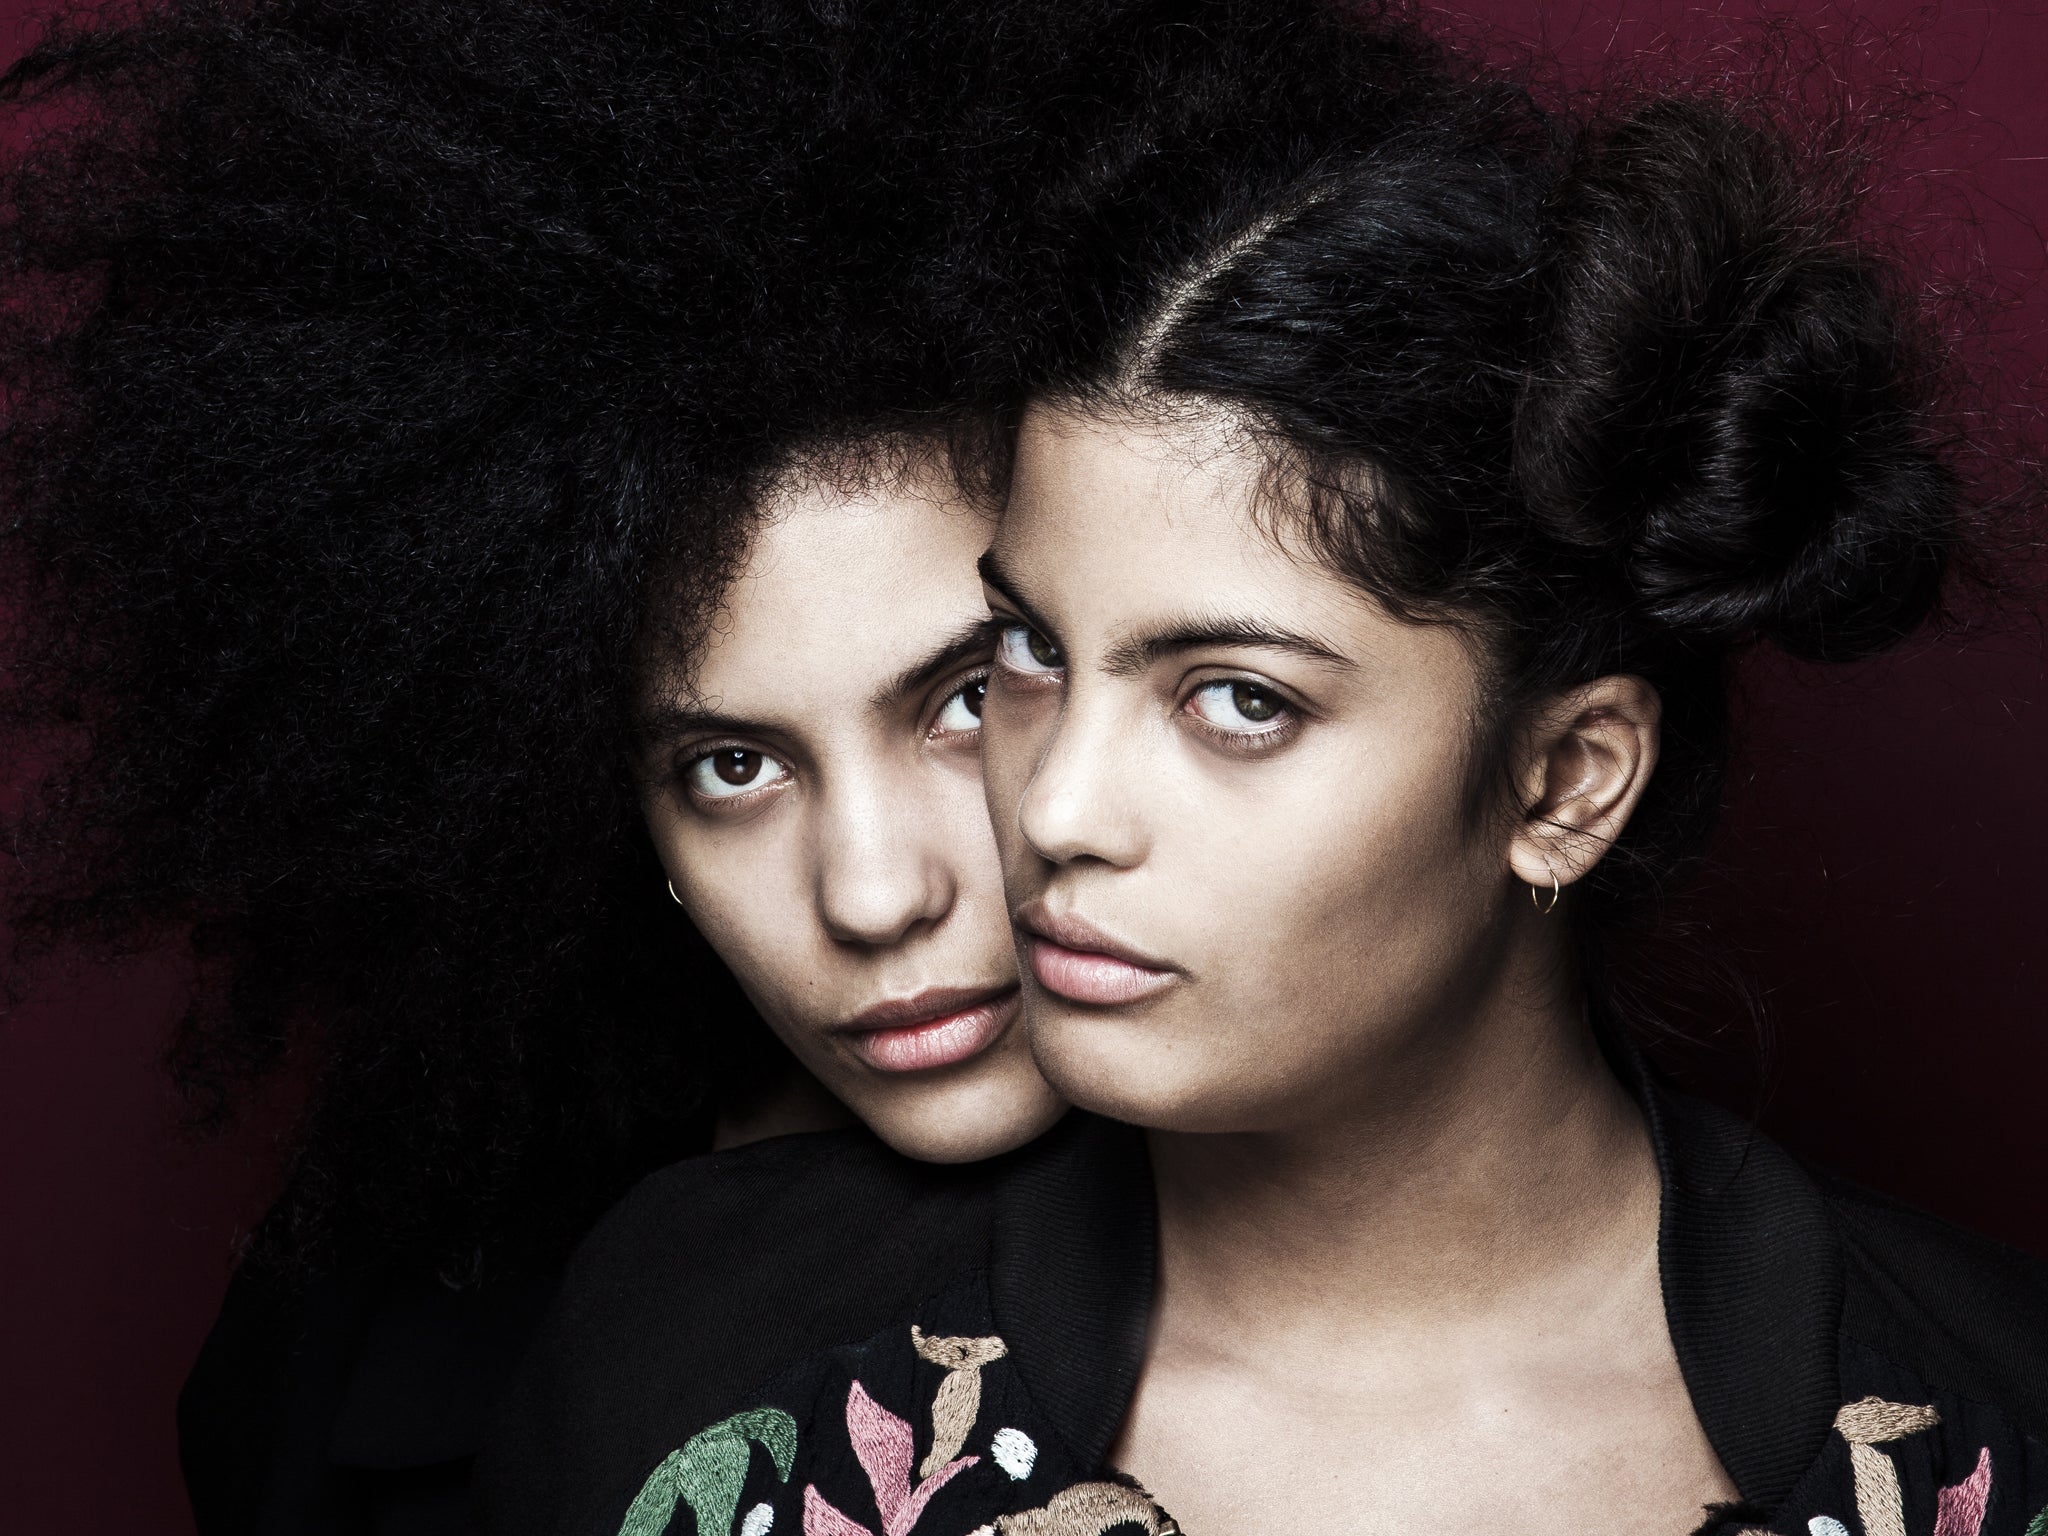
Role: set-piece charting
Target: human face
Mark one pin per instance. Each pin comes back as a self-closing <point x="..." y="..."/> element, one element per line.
<point x="1230" y="791"/>
<point x="814" y="788"/>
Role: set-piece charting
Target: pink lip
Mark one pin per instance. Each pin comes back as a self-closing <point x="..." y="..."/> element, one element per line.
<point x="936" y="1028"/>
<point x="1074" y="959"/>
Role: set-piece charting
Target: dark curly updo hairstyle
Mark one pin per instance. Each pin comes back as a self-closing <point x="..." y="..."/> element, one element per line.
<point x="1619" y="392"/>
<point x="376" y="373"/>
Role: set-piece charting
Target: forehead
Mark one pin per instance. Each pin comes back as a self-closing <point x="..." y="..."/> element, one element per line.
<point x="842" y="587"/>
<point x="1112" y="518"/>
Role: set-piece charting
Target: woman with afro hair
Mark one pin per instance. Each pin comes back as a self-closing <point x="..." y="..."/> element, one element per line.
<point x="1384" y="506"/>
<point x="491" y="498"/>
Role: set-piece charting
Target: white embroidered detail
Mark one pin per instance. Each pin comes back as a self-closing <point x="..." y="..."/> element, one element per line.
<point x="1015" y="1452"/>
<point x="761" y="1520"/>
<point x="1826" y="1525"/>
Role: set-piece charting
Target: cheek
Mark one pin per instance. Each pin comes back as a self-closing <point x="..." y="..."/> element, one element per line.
<point x="748" y="893"/>
<point x="1325" y="821"/>
<point x="1351" y="893"/>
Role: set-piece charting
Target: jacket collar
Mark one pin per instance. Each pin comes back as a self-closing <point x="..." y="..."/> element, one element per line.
<point x="1751" y="1275"/>
<point x="1752" y="1278"/>
<point x="1071" y="1262"/>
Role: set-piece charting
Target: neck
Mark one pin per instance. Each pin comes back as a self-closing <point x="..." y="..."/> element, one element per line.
<point x="1506" y="1158"/>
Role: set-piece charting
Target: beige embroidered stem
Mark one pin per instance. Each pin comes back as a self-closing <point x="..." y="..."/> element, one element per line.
<point x="1873" y="1421"/>
<point x="1878" y="1500"/>
<point x="958" y="1404"/>
<point x="1866" y="1424"/>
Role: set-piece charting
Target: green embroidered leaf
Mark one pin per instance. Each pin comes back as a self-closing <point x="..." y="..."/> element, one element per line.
<point x="655" y="1504"/>
<point x="775" y="1430"/>
<point x="709" y="1472"/>
<point x="2038" y="1526"/>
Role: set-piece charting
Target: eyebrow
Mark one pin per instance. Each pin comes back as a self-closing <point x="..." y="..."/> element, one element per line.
<point x="1175" y="635"/>
<point x="656" y="727"/>
<point x="995" y="575"/>
<point x="672" y="722"/>
<point x="976" y="638"/>
<point x="1199" y="632"/>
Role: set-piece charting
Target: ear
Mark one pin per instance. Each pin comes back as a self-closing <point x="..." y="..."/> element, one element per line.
<point x="1586" y="760"/>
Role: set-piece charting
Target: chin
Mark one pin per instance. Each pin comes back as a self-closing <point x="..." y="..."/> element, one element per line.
<point x="1115" y="1066"/>
<point x="964" y="1122"/>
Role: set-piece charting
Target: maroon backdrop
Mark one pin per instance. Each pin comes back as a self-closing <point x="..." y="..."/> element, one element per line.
<point x="1883" y="877"/>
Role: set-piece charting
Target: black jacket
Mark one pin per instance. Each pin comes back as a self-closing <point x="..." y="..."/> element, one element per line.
<point x="812" y="1334"/>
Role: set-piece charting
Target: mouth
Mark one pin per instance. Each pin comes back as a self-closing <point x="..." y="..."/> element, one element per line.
<point x="1073" y="959"/>
<point x="940" y="1027"/>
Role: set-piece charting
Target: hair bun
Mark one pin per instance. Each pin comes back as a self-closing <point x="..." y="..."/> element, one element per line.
<point x="1730" y="401"/>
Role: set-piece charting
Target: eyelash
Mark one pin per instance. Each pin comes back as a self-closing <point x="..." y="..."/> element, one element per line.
<point x="1015" y="630"/>
<point x="1287" y="719"/>
<point x="722" y="804"/>
<point x="981" y="676"/>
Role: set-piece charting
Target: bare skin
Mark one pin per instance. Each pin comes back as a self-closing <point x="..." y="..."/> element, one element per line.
<point x="1408" y="1277"/>
<point x="813" y="784"/>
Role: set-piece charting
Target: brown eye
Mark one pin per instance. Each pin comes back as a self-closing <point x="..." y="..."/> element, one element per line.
<point x="961" y="712"/>
<point x="1240" y="708"/>
<point x="1024" y="650"/>
<point x="736" y="768"/>
<point x="1254" y="703"/>
<point x="732" y="771"/>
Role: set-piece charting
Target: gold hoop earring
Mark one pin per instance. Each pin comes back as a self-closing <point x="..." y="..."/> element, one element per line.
<point x="672" y="896"/>
<point x="1546" y="907"/>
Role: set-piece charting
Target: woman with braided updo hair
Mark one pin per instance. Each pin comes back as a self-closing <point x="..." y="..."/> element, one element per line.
<point x="1383" y="513"/>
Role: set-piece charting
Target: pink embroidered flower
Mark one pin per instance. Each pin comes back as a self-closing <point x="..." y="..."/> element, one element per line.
<point x="1959" y="1511"/>
<point x="822" y="1519"/>
<point x="886" y="1447"/>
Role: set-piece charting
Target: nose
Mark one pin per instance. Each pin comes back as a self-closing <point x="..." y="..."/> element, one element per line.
<point x="1076" y="806"/>
<point x="883" y="874"/>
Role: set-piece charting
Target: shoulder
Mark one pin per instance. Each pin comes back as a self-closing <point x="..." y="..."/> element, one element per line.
<point x="720" y="1261"/>
<point x="1961" y="1310"/>
<point x="746" y="1215"/>
<point x="710" y="1277"/>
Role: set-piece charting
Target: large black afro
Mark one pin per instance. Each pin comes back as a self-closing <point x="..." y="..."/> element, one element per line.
<point x="365" y="361"/>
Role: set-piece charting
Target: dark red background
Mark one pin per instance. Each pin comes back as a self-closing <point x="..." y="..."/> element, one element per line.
<point x="1884" y="875"/>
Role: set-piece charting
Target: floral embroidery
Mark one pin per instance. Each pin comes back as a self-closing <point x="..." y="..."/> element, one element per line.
<point x="1872" y="1420"/>
<point x="1086" y="1509"/>
<point x="709" y="1472"/>
<point x="821" y="1519"/>
<point x="958" y="1404"/>
<point x="1870" y="1423"/>
<point x="1015" y="1452"/>
<point x="1960" y="1510"/>
<point x="1866" y="1424"/>
<point x="883" y="1444"/>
